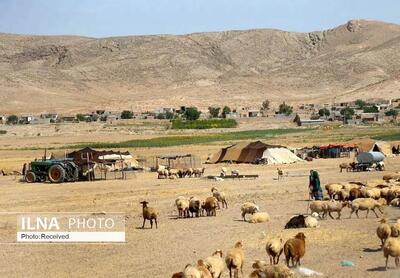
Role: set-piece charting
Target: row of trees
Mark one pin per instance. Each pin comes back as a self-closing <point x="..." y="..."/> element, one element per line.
<point x="217" y="112"/>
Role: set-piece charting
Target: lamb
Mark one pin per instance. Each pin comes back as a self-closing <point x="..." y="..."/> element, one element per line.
<point x="215" y="264"/>
<point x="210" y="206"/>
<point x="220" y="197"/>
<point x="383" y="231"/>
<point x="296" y="222"/>
<point x="249" y="208"/>
<point x="149" y="214"/>
<point x="234" y="260"/>
<point x="259" y="217"/>
<point x="191" y="272"/>
<point x="311" y="222"/>
<point x="194" y="206"/>
<point x="333" y="189"/>
<point x="202" y="268"/>
<point x="294" y="249"/>
<point x="182" y="204"/>
<point x="392" y="248"/>
<point x="274" y="250"/>
<point x="365" y="204"/>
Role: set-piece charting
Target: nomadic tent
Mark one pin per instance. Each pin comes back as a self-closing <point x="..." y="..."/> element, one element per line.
<point x="370" y="145"/>
<point x="252" y="152"/>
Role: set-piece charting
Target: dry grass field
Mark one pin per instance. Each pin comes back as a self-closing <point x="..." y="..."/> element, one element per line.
<point x="177" y="242"/>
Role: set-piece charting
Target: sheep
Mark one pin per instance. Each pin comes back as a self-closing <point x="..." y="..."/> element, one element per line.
<point x="374" y="193"/>
<point x="383" y="231"/>
<point x="395" y="229"/>
<point x="365" y="204"/>
<point x="333" y="189"/>
<point x="178" y="275"/>
<point x="345" y="166"/>
<point x="194" y="206"/>
<point x="294" y="249"/>
<point x="382" y="201"/>
<point x="259" y="217"/>
<point x="149" y="214"/>
<point x="220" y="197"/>
<point x="272" y="271"/>
<point x="210" y="206"/>
<point x="173" y="173"/>
<point x="248" y="208"/>
<point x="391" y="248"/>
<point x="163" y="173"/>
<point x="215" y="264"/>
<point x="296" y="222"/>
<point x="356" y="193"/>
<point x="234" y="260"/>
<point x="198" y="172"/>
<point x="395" y="202"/>
<point x="334" y="207"/>
<point x="311" y="222"/>
<point x="258" y="264"/>
<point x="274" y="248"/>
<point x="343" y="194"/>
<point x="318" y="206"/>
<point x="182" y="204"/>
<point x="235" y="173"/>
<point x="202" y="268"/>
<point x="191" y="272"/>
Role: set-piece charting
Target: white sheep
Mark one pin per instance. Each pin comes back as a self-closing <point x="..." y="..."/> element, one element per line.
<point x="191" y="272"/>
<point x="333" y="189"/>
<point x="365" y="204"/>
<point x="392" y="248"/>
<point x="182" y="204"/>
<point x="311" y="222"/>
<point x="274" y="248"/>
<point x="215" y="264"/>
<point x="248" y="208"/>
<point x="221" y="197"/>
<point x="259" y="217"/>
<point x="334" y="207"/>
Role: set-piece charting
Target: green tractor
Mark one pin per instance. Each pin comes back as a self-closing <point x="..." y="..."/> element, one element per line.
<point x="56" y="171"/>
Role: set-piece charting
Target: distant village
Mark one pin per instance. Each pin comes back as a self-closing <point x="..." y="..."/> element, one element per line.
<point x="353" y="112"/>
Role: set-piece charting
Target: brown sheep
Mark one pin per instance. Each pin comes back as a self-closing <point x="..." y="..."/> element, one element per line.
<point x="178" y="275"/>
<point x="210" y="206"/>
<point x="383" y="231"/>
<point x="234" y="260"/>
<point x="295" y="248"/>
<point x="149" y="214"/>
<point x="356" y="193"/>
<point x="205" y="273"/>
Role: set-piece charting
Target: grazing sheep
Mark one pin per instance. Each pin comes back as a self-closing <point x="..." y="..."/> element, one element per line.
<point x="248" y="208"/>
<point x="365" y="204"/>
<point x="272" y="271"/>
<point x="294" y="249"/>
<point x="258" y="264"/>
<point x="205" y="273"/>
<point x="210" y="206"/>
<point x="374" y="193"/>
<point x="182" y="204"/>
<point x="395" y="229"/>
<point x="178" y="275"/>
<point x="259" y="217"/>
<point x="198" y="172"/>
<point x="234" y="260"/>
<point x="392" y="248"/>
<point x="345" y="166"/>
<point x="191" y="272"/>
<point x="194" y="206"/>
<point x="318" y="207"/>
<point x="149" y="214"/>
<point x="274" y="250"/>
<point x="296" y="222"/>
<point x="215" y="264"/>
<point x="335" y="207"/>
<point x="343" y="194"/>
<point x="382" y="201"/>
<point x="333" y="189"/>
<point x="383" y="231"/>
<point x="355" y="193"/>
<point x="220" y="197"/>
<point x="311" y="222"/>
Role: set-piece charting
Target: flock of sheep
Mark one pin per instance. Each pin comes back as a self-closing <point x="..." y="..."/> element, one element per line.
<point x="356" y="196"/>
<point x="164" y="172"/>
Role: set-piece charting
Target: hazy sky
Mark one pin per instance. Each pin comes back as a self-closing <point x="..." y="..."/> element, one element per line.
<point x="100" y="18"/>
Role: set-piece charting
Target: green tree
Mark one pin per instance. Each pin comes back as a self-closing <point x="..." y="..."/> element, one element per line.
<point x="323" y="112"/>
<point x="347" y="113"/>
<point x="169" y="115"/>
<point x="225" y="111"/>
<point x="360" y="103"/>
<point x="191" y="113"/>
<point x="393" y="113"/>
<point x="370" y="109"/>
<point x="214" y="111"/>
<point x="81" y="117"/>
<point x="126" y="114"/>
<point x="285" y="109"/>
<point x="265" y="104"/>
<point x="12" y="120"/>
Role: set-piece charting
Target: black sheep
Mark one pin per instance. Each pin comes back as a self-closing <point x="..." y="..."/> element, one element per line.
<point x="296" y="222"/>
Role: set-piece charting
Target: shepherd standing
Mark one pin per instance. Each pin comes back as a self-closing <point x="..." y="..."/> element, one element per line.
<point x="315" y="186"/>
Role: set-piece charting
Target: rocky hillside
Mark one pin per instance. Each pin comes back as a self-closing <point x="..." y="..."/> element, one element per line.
<point x="359" y="59"/>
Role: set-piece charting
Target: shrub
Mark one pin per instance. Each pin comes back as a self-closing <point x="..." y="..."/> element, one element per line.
<point x="191" y="113"/>
<point x="126" y="114"/>
<point x="285" y="109"/>
<point x="12" y="120"/>
<point x="214" y="111"/>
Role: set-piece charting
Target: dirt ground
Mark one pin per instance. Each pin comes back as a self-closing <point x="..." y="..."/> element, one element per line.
<point x="177" y="242"/>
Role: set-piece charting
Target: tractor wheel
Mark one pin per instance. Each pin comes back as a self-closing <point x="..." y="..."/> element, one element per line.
<point x="56" y="173"/>
<point x="30" y="177"/>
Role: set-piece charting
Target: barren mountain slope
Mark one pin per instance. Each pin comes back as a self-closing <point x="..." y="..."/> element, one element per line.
<point x="68" y="74"/>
